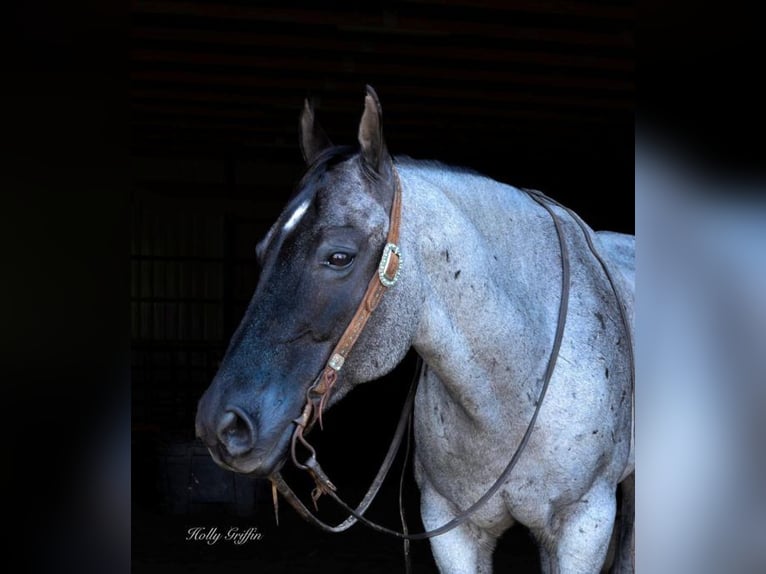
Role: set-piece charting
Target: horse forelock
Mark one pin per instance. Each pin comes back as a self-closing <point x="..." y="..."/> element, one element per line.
<point x="336" y="191"/>
<point x="324" y="162"/>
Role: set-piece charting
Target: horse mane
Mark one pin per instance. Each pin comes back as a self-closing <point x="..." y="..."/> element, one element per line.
<point x="332" y="156"/>
<point x="436" y="165"/>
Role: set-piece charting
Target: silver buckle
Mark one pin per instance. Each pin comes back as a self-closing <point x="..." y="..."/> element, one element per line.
<point x="336" y="362"/>
<point x="389" y="249"/>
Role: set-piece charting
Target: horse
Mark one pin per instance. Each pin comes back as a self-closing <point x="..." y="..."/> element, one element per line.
<point x="477" y="286"/>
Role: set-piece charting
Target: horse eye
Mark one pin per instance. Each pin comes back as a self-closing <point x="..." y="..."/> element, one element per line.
<point x="339" y="260"/>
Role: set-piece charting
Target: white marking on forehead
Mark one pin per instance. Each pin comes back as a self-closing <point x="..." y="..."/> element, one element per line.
<point x="295" y="217"/>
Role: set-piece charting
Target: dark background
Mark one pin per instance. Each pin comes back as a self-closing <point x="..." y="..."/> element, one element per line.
<point x="534" y="94"/>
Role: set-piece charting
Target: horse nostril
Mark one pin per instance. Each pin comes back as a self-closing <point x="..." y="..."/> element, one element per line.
<point x="235" y="431"/>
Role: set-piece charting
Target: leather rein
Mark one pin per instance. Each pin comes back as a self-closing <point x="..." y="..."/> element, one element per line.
<point x="320" y="390"/>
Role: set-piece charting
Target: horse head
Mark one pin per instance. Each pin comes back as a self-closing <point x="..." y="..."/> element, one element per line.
<point x="315" y="264"/>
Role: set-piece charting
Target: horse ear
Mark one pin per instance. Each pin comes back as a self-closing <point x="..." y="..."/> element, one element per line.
<point x="373" y="146"/>
<point x="313" y="138"/>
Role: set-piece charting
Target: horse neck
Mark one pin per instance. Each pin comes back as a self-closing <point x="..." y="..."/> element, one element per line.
<point x="490" y="271"/>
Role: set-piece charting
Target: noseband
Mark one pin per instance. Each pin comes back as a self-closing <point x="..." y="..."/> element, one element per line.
<point x="320" y="390"/>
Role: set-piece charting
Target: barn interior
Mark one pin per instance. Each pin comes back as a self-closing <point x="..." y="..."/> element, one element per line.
<point x="535" y="94"/>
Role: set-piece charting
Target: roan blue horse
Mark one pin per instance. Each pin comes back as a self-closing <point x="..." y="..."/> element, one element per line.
<point x="522" y="316"/>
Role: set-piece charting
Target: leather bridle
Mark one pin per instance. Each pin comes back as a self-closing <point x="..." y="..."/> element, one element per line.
<point x="387" y="275"/>
<point x="320" y="390"/>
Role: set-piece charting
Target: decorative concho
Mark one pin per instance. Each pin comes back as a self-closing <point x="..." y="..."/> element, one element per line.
<point x="336" y="362"/>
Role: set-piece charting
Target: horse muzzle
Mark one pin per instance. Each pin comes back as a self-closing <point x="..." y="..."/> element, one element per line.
<point x="232" y="438"/>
